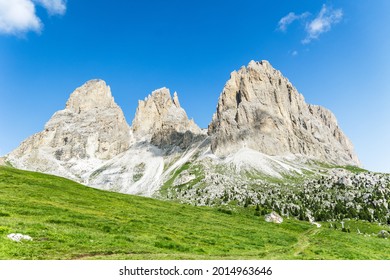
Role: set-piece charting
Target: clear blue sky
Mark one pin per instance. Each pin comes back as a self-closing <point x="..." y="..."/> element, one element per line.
<point x="335" y="52"/>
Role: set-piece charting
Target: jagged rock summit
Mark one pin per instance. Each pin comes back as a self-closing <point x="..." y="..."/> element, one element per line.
<point x="92" y="127"/>
<point x="94" y="94"/>
<point x="160" y="120"/>
<point x="260" y="109"/>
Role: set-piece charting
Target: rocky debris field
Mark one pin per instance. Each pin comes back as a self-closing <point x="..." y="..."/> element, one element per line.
<point x="335" y="194"/>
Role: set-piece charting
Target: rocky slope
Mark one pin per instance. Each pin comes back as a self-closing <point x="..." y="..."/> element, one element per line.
<point x="317" y="195"/>
<point x="261" y="110"/>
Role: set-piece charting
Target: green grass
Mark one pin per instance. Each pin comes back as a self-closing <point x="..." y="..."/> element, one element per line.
<point x="168" y="184"/>
<point x="71" y="221"/>
<point x="350" y="168"/>
<point x="292" y="178"/>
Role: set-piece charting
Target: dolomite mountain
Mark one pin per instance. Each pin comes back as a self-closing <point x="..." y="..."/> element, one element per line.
<point x="91" y="129"/>
<point x="160" y="120"/>
<point x="261" y="110"/>
<point x="262" y="127"/>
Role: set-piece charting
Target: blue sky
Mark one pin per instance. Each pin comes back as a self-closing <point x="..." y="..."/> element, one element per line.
<point x="335" y="52"/>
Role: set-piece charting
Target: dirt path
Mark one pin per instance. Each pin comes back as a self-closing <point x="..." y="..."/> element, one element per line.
<point x="304" y="241"/>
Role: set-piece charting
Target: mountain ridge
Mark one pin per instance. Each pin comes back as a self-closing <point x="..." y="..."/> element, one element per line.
<point x="262" y="125"/>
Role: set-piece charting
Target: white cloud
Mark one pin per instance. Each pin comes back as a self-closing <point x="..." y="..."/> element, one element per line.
<point x="294" y="53"/>
<point x="54" y="7"/>
<point x="322" y="23"/>
<point x="290" y="18"/>
<point x="19" y="16"/>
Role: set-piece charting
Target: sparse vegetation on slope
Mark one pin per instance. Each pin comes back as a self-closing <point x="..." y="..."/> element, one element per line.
<point x="324" y="193"/>
<point x="70" y="221"/>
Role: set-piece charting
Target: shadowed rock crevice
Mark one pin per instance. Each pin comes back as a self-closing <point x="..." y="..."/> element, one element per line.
<point x="170" y="138"/>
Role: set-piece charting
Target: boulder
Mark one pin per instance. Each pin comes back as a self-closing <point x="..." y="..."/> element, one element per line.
<point x="273" y="217"/>
<point x="17" y="237"/>
<point x="384" y="234"/>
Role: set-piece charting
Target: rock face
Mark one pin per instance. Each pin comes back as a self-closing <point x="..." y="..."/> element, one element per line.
<point x="92" y="126"/>
<point x="261" y="110"/>
<point x="160" y="120"/>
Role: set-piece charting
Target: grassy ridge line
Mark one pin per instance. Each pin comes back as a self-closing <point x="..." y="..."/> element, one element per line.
<point x="71" y="221"/>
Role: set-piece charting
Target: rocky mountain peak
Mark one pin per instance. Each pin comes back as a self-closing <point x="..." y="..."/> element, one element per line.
<point x="93" y="94"/>
<point x="161" y="120"/>
<point x="92" y="127"/>
<point x="261" y="110"/>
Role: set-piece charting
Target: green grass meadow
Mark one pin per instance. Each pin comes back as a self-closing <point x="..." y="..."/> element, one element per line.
<point x="70" y="221"/>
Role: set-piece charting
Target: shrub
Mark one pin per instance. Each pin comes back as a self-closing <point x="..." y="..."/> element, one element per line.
<point x="225" y="211"/>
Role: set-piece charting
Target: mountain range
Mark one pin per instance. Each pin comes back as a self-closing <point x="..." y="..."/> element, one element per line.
<point x="264" y="146"/>
<point x="262" y="124"/>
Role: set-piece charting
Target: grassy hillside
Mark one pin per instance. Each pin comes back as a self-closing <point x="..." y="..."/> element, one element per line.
<point x="70" y="221"/>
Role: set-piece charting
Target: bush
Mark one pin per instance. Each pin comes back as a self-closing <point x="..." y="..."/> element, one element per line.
<point x="225" y="211"/>
<point x="3" y="229"/>
<point x="264" y="212"/>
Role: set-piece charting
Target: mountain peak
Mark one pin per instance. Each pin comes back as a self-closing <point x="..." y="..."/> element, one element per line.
<point x="262" y="63"/>
<point x="261" y="110"/>
<point x="93" y="94"/>
<point x="160" y="116"/>
<point x="91" y="128"/>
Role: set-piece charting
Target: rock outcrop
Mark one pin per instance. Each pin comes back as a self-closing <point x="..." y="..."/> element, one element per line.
<point x="91" y="127"/>
<point x="261" y="110"/>
<point x="160" y="120"/>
